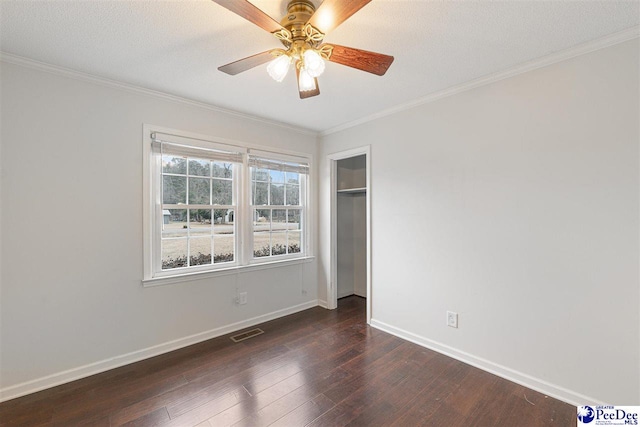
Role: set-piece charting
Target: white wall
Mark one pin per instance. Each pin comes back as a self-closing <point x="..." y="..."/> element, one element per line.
<point x="518" y="208"/>
<point x="351" y="215"/>
<point x="72" y="232"/>
<point x="359" y="236"/>
<point x="352" y="244"/>
<point x="345" y="246"/>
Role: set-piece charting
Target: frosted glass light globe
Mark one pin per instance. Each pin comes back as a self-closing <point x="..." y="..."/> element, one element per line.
<point x="313" y="63"/>
<point x="305" y="81"/>
<point x="279" y="67"/>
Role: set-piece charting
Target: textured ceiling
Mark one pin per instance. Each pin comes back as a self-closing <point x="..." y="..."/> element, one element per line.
<point x="176" y="47"/>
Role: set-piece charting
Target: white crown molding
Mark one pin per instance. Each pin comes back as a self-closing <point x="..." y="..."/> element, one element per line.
<point x="103" y="81"/>
<point x="581" y="49"/>
<point x="73" y="374"/>
<point x="601" y="43"/>
<point x="542" y="386"/>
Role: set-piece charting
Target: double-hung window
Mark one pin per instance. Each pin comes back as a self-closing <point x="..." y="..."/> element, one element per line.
<point x="278" y="202"/>
<point x="213" y="206"/>
<point x="195" y="215"/>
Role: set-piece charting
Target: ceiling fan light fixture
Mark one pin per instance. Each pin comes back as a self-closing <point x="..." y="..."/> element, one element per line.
<point x="305" y="81"/>
<point x="279" y="67"/>
<point x="302" y="31"/>
<point x="313" y="63"/>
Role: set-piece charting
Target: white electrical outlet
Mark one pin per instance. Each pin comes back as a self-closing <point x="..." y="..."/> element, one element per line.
<point x="242" y="298"/>
<point x="452" y="319"/>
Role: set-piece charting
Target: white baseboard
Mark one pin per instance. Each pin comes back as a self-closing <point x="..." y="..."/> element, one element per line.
<point x="56" y="379"/>
<point x="323" y="304"/>
<point x="528" y="381"/>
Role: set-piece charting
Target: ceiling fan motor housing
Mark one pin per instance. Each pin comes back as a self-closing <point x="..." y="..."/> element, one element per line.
<point x="298" y="13"/>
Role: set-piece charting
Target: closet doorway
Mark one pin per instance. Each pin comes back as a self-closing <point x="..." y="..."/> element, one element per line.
<point x="350" y="226"/>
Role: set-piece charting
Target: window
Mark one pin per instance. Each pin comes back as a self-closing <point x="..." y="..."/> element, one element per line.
<point x="277" y="208"/>
<point x="216" y="206"/>
<point x="198" y="212"/>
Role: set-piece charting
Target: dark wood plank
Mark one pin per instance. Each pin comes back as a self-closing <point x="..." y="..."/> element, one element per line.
<point x="364" y="392"/>
<point x="208" y="410"/>
<point x="316" y="367"/>
<point x="12" y="413"/>
<point x="304" y="414"/>
<point x="202" y="389"/>
<point x="391" y="402"/>
<point x="273" y="402"/>
<point x="101" y="403"/>
<point x="429" y="404"/>
<point x="156" y="417"/>
<point x="312" y="386"/>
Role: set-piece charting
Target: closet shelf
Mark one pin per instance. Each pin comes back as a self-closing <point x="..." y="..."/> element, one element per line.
<point x="353" y="190"/>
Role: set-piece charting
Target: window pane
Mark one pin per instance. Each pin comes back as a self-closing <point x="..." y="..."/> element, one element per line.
<point x="174" y="164"/>
<point x="293" y="194"/>
<point x="277" y="194"/>
<point x="279" y="220"/>
<point x="199" y="191"/>
<point x="260" y="193"/>
<point x="262" y="220"/>
<point x="223" y="219"/>
<point x="278" y="243"/>
<point x="174" y="253"/>
<point x="293" y="219"/>
<point x="276" y="176"/>
<point x="259" y="175"/>
<point x="222" y="170"/>
<point x="199" y="167"/>
<point x="292" y="178"/>
<point x="174" y="189"/>
<point x="261" y="233"/>
<point x="261" y="244"/>
<point x="294" y="242"/>
<point x="200" y="250"/>
<point x="174" y="223"/>
<point x="223" y="246"/>
<point x="199" y="222"/>
<point x="222" y="192"/>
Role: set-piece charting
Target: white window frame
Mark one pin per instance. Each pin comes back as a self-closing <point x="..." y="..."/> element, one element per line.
<point x="157" y="215"/>
<point x="303" y="207"/>
<point x="152" y="210"/>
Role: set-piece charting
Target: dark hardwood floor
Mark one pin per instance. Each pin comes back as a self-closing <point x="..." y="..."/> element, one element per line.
<point x="315" y="368"/>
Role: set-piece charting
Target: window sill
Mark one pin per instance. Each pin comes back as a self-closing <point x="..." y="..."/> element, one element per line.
<point x="188" y="277"/>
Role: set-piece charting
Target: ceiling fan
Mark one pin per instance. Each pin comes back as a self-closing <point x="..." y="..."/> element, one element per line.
<point x="301" y="32"/>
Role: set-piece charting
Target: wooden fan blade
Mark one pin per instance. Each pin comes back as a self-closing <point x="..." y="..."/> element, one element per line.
<point x="246" y="63"/>
<point x="332" y="13"/>
<point x="306" y="93"/>
<point x="370" y="62"/>
<point x="251" y="13"/>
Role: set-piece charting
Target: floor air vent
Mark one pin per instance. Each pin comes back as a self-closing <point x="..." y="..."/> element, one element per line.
<point x="246" y="335"/>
